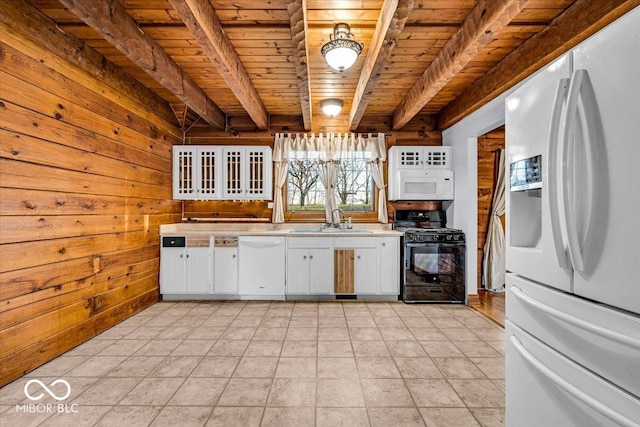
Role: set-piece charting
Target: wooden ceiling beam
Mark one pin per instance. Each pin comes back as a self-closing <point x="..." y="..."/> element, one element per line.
<point x="581" y="20"/>
<point x="111" y="21"/>
<point x="393" y="16"/>
<point x="478" y="29"/>
<point x="203" y="23"/>
<point x="299" y="26"/>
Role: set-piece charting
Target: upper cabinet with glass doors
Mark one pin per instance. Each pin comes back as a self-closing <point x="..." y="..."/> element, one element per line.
<point x="222" y="172"/>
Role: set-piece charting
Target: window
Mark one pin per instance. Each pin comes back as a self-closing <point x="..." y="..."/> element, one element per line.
<point x="355" y="188"/>
<point x="351" y="164"/>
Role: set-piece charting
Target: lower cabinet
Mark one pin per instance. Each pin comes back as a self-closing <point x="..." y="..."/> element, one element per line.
<point x="225" y="270"/>
<point x="309" y="266"/>
<point x="186" y="265"/>
<point x="366" y="279"/>
<point x="389" y="265"/>
<point x="357" y="266"/>
<point x="270" y="267"/>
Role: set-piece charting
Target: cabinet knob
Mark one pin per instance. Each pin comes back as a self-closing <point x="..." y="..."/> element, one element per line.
<point x="384" y="244"/>
<point x="181" y="256"/>
<point x="234" y="255"/>
<point x="310" y="256"/>
<point x="304" y="257"/>
<point x="358" y="256"/>
<point x="187" y="255"/>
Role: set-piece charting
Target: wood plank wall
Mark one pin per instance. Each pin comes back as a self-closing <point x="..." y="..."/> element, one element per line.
<point x="487" y="144"/>
<point x="85" y="182"/>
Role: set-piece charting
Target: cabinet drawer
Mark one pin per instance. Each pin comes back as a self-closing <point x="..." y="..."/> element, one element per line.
<point x="198" y="241"/>
<point x="355" y="242"/>
<point x="174" y="242"/>
<point x="225" y="242"/>
<point x="309" y="242"/>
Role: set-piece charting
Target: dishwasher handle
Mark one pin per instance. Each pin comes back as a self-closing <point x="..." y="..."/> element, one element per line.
<point x="261" y="243"/>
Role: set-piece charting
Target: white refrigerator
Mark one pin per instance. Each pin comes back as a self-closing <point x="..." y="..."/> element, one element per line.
<point x="573" y="237"/>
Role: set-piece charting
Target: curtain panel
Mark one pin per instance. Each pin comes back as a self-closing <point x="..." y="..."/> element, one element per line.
<point x="328" y="150"/>
<point x="493" y="263"/>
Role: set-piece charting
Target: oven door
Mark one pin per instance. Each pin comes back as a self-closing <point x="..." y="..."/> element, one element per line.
<point x="434" y="272"/>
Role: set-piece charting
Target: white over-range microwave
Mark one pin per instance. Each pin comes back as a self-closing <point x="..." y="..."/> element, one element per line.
<point x="421" y="185"/>
<point x="420" y="173"/>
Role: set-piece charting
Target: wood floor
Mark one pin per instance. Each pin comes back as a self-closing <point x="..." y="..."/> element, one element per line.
<point x="491" y="305"/>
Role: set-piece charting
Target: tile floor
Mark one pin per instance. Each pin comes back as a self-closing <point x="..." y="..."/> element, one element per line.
<point x="277" y="364"/>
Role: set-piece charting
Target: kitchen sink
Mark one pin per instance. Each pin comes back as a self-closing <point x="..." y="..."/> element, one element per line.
<point x="329" y="230"/>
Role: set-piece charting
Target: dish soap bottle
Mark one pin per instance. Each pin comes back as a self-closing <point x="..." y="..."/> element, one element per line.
<point x="349" y="224"/>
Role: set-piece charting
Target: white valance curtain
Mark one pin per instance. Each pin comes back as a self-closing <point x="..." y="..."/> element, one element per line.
<point x="493" y="265"/>
<point x="327" y="150"/>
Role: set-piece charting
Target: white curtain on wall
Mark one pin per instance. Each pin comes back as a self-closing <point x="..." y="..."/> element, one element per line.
<point x="493" y="266"/>
<point x="329" y="178"/>
<point x="327" y="150"/>
<point x="281" y="170"/>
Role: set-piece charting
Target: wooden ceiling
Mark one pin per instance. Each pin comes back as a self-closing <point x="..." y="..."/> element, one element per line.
<point x="261" y="60"/>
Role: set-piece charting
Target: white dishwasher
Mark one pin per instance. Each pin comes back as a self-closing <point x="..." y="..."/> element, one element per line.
<point x="261" y="267"/>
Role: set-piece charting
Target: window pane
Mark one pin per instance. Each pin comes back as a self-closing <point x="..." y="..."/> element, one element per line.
<point x="354" y="187"/>
<point x="304" y="187"/>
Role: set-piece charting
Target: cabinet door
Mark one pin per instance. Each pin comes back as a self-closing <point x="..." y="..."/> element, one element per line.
<point x="298" y="271"/>
<point x="225" y="270"/>
<point x="366" y="271"/>
<point x="257" y="173"/>
<point x="389" y="263"/>
<point x="184" y="173"/>
<point x="409" y="158"/>
<point x="436" y="157"/>
<point x="344" y="271"/>
<point x="320" y="271"/>
<point x="199" y="274"/>
<point x="233" y="171"/>
<point x="172" y="271"/>
<point x="208" y="173"/>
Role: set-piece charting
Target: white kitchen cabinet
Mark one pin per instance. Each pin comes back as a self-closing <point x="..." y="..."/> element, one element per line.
<point x="366" y="271"/>
<point x="261" y="267"/>
<point x="226" y="270"/>
<point x="199" y="270"/>
<point x="197" y="172"/>
<point x="365" y="268"/>
<point x="419" y="157"/>
<point x="222" y="172"/>
<point x="310" y="266"/>
<point x="186" y="266"/>
<point x="389" y="265"/>
<point x="173" y="271"/>
<point x="247" y="172"/>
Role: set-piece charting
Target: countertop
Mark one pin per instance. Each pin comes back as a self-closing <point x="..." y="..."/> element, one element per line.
<point x="286" y="229"/>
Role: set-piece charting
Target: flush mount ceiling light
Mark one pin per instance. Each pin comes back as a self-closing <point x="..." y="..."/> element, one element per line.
<point x="331" y="107"/>
<point x="341" y="52"/>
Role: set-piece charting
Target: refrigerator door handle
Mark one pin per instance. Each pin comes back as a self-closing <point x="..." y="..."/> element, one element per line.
<point x="552" y="167"/>
<point x="574" y="321"/>
<point x="567" y="172"/>
<point x="570" y="388"/>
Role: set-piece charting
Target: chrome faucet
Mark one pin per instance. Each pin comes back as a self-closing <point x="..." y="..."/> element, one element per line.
<point x="333" y="223"/>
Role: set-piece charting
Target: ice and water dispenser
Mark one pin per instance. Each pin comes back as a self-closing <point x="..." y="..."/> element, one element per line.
<point x="525" y="219"/>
